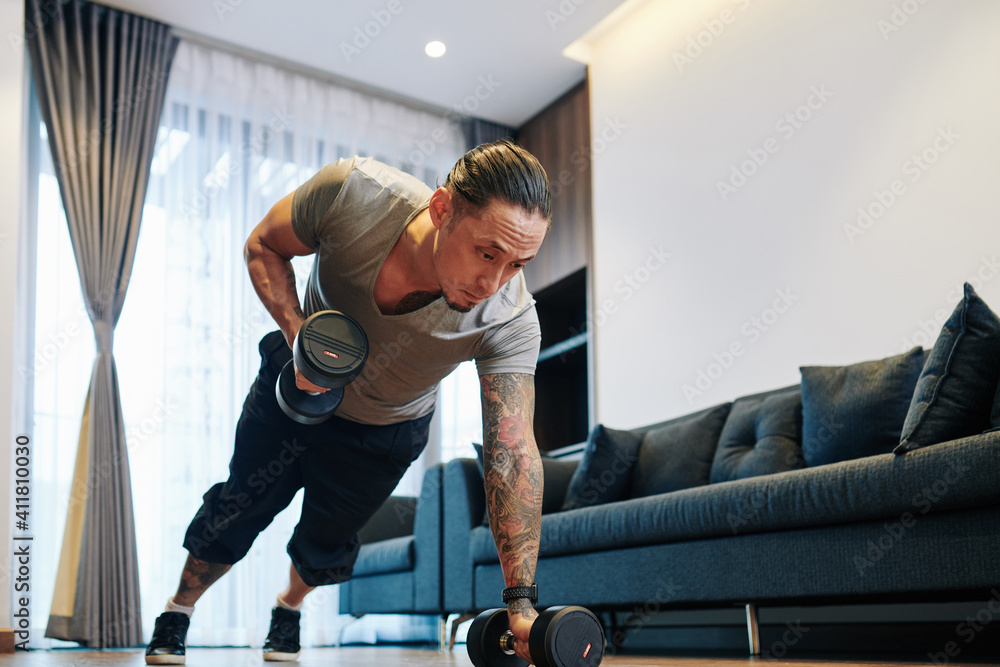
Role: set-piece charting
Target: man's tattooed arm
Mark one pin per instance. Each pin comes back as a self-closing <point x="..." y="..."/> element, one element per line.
<point x="513" y="472"/>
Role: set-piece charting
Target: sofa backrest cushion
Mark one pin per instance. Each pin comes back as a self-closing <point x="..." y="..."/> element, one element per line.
<point x="678" y="454"/>
<point x="849" y="412"/>
<point x="956" y="389"/>
<point x="557" y="475"/>
<point x="604" y="472"/>
<point x="762" y="435"/>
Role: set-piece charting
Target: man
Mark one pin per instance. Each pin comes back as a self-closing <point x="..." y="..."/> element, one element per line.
<point x="435" y="279"/>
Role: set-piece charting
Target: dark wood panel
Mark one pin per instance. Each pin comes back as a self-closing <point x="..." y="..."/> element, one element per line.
<point x="559" y="136"/>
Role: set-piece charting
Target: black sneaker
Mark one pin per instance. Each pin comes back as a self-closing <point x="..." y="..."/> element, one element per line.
<point x="167" y="645"/>
<point x="282" y="643"/>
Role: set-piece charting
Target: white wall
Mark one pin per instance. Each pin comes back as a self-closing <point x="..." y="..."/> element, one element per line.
<point x="11" y="172"/>
<point x="667" y="131"/>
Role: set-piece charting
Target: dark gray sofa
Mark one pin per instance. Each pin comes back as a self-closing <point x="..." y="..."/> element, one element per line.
<point x="872" y="483"/>
<point x="923" y="526"/>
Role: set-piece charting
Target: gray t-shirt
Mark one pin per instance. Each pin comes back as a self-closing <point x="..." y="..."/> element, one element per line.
<point x="352" y="212"/>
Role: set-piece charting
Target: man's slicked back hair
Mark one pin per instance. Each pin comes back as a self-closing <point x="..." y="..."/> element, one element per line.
<point x="499" y="171"/>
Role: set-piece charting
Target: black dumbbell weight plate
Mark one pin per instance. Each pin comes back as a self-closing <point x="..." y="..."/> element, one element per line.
<point x="483" y="642"/>
<point x="330" y="349"/>
<point x="573" y="637"/>
<point x="308" y="408"/>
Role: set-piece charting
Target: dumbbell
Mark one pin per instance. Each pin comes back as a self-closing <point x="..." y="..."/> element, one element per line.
<point x="566" y="636"/>
<point x="329" y="350"/>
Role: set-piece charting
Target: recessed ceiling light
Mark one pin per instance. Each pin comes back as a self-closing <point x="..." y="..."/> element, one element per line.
<point x="435" y="49"/>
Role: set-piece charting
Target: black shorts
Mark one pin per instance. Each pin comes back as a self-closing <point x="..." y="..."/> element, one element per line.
<point x="347" y="470"/>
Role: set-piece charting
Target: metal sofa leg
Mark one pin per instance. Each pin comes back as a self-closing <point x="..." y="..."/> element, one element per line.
<point x="453" y="631"/>
<point x="340" y="635"/>
<point x="753" y="629"/>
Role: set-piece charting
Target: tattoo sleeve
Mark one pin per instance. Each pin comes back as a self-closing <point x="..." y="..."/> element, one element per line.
<point x="513" y="472"/>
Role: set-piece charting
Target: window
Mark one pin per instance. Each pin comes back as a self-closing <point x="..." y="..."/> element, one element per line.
<point x="461" y="411"/>
<point x="235" y="137"/>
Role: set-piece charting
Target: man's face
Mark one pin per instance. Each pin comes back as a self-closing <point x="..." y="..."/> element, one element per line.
<point x="476" y="256"/>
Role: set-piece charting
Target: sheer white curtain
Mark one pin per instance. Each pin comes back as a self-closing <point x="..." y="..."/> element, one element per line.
<point x="236" y="136"/>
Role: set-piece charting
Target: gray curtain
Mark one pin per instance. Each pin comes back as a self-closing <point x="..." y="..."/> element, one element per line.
<point x="100" y="75"/>
<point x="478" y="131"/>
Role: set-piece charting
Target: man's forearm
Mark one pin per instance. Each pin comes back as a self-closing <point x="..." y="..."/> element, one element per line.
<point x="273" y="279"/>
<point x="513" y="472"/>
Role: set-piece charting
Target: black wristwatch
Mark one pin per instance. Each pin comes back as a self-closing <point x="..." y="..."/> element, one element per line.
<point x="516" y="592"/>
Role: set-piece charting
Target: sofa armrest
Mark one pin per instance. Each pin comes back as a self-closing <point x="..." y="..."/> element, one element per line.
<point x="401" y="516"/>
<point x="393" y="519"/>
<point x="427" y="537"/>
<point x="464" y="506"/>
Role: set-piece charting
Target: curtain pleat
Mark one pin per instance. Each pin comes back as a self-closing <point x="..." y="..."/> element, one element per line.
<point x="101" y="78"/>
<point x="478" y="131"/>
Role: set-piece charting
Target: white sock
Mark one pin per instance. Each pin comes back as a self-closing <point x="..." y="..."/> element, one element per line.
<point x="285" y="605"/>
<point x="173" y="606"/>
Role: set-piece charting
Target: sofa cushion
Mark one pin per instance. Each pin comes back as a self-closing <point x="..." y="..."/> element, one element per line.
<point x="602" y="475"/>
<point x="853" y="411"/>
<point x="762" y="435"/>
<point x="393" y="555"/>
<point x="556" y="474"/>
<point x="955" y="391"/>
<point x="678" y="454"/>
<point x="959" y="474"/>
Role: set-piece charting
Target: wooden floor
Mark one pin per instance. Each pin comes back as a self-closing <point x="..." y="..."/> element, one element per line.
<point x="384" y="656"/>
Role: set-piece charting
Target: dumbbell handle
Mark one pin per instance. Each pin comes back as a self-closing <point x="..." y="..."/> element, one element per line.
<point x="507" y="641"/>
